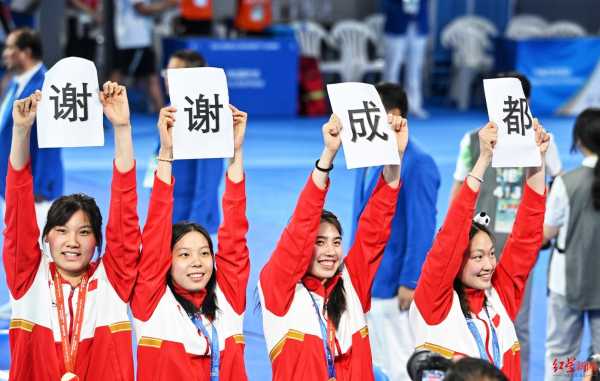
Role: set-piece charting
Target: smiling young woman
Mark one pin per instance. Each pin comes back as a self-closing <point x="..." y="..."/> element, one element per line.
<point x="189" y="302"/>
<point x="313" y="300"/>
<point x="466" y="301"/>
<point x="80" y="301"/>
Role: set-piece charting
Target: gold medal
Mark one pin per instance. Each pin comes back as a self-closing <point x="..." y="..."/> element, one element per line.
<point x="69" y="376"/>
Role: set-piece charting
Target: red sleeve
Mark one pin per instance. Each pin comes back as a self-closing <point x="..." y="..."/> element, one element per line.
<point x="122" y="234"/>
<point x="233" y="258"/>
<point x="155" y="261"/>
<point x="433" y="295"/>
<point x="291" y="258"/>
<point x="520" y="251"/>
<point x="372" y="235"/>
<point x="21" y="254"/>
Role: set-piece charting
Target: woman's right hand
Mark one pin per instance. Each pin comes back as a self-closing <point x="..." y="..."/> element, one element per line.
<point x="332" y="137"/>
<point x="166" y="121"/>
<point x="24" y="112"/>
<point x="488" y="136"/>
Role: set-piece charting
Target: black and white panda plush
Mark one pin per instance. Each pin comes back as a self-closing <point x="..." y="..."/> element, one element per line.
<point x="482" y="218"/>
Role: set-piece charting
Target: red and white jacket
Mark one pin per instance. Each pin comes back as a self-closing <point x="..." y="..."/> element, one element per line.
<point x="170" y="346"/>
<point x="35" y="342"/>
<point x="291" y="326"/>
<point x="436" y="317"/>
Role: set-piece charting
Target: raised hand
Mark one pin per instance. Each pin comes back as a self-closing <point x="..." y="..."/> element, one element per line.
<point x="332" y="134"/>
<point x="542" y="138"/>
<point x="115" y="104"/>
<point x="166" y="121"/>
<point x="24" y="112"/>
<point x="488" y="136"/>
<point x="399" y="126"/>
<point x="240" y="120"/>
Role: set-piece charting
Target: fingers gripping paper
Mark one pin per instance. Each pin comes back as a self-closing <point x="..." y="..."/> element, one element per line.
<point x="70" y="112"/>
<point x="509" y="109"/>
<point x="366" y="135"/>
<point x="203" y="121"/>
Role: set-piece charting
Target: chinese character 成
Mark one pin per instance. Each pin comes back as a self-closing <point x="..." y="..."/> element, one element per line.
<point x="201" y="112"/>
<point x="516" y="114"/>
<point x="373" y="123"/>
<point x="70" y="102"/>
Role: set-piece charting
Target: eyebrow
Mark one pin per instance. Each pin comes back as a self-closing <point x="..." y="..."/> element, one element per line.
<point x="189" y="248"/>
<point x="326" y="237"/>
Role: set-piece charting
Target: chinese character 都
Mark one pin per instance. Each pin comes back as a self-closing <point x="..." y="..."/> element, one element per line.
<point x="517" y="112"/>
<point x="201" y="112"/>
<point x="70" y="102"/>
<point x="373" y="123"/>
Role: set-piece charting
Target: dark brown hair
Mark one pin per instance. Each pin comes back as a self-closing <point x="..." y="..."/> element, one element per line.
<point x="27" y="38"/>
<point x="586" y="132"/>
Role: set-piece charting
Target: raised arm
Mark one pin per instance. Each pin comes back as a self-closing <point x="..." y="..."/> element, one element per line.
<point x="375" y="222"/>
<point x="21" y="252"/>
<point x="433" y="295"/>
<point x="123" y="229"/>
<point x="155" y="260"/>
<point x="523" y="245"/>
<point x="233" y="258"/>
<point x="291" y="258"/>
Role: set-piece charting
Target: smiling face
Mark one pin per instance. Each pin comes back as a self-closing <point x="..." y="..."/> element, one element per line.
<point x="72" y="245"/>
<point x="192" y="261"/>
<point x="327" y="253"/>
<point x="479" y="262"/>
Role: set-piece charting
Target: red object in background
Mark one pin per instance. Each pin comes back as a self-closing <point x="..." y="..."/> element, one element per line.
<point x="196" y="10"/>
<point x="253" y="15"/>
<point x="312" y="96"/>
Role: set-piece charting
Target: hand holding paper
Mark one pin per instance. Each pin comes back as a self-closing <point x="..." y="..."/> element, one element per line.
<point x="115" y="104"/>
<point x="166" y="121"/>
<point x="542" y="138"/>
<point x="240" y="120"/>
<point x="332" y="134"/>
<point x="400" y="127"/>
<point x="488" y="136"/>
<point x="24" y="112"/>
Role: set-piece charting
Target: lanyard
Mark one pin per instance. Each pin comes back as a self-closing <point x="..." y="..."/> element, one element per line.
<point x="70" y="345"/>
<point x="328" y="340"/>
<point x="214" y="346"/>
<point x="482" y="350"/>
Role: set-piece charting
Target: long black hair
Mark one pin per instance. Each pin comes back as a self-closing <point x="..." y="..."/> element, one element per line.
<point x="336" y="303"/>
<point x="63" y="208"/>
<point x="586" y="133"/>
<point x="458" y="286"/>
<point x="209" y="305"/>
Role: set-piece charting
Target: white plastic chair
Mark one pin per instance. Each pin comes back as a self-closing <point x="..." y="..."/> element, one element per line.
<point x="376" y="22"/>
<point x="310" y="35"/>
<point x="565" y="29"/>
<point x="352" y="38"/>
<point x="526" y="26"/>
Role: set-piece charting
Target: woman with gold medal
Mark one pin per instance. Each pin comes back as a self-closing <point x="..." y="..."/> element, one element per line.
<point x="69" y="308"/>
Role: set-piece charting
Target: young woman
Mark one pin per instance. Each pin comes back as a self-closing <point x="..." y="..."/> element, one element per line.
<point x="188" y="302"/>
<point x="314" y="301"/>
<point x="69" y="315"/>
<point x="465" y="302"/>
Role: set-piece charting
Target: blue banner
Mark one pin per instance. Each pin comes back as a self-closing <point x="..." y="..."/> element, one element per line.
<point x="262" y="74"/>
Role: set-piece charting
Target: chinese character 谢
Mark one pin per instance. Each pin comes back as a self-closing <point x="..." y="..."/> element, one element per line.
<point x="201" y="112"/>
<point x="373" y="123"/>
<point x="517" y="110"/>
<point x="70" y="102"/>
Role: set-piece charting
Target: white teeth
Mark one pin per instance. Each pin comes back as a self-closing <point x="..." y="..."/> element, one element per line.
<point x="196" y="276"/>
<point x="69" y="254"/>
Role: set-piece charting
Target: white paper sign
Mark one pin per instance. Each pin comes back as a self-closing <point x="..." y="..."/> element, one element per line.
<point x="367" y="137"/>
<point x="70" y="113"/>
<point x="203" y="121"/>
<point x="508" y="108"/>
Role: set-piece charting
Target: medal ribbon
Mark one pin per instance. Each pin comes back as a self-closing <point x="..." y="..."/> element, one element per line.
<point x="214" y="347"/>
<point x="328" y="335"/>
<point x="70" y="345"/>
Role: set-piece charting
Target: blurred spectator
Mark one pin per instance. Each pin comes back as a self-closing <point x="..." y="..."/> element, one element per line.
<point x="474" y="369"/>
<point x="23" y="12"/>
<point x="573" y="217"/>
<point x="196" y="18"/>
<point x="196" y="192"/>
<point x="406" y="28"/>
<point x="499" y="197"/>
<point x="253" y="16"/>
<point x="133" y="25"/>
<point x="84" y="19"/>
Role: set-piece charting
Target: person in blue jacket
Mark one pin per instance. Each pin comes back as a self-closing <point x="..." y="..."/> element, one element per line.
<point x="196" y="192"/>
<point x="405" y="38"/>
<point x="22" y="58"/>
<point x="413" y="229"/>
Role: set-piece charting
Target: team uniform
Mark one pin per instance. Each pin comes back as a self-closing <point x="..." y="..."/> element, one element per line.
<point x="48" y="313"/>
<point x="302" y="343"/>
<point x="438" y="321"/>
<point x="171" y="345"/>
